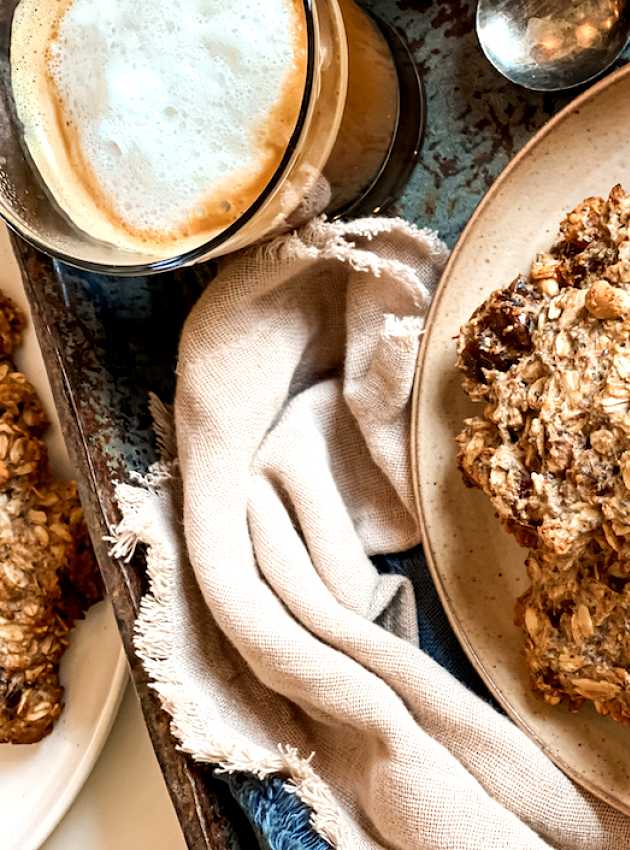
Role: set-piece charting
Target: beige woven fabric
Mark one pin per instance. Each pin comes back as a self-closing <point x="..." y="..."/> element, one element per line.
<point x="276" y="638"/>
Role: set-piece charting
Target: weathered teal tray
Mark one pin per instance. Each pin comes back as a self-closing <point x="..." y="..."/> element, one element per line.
<point x="107" y="342"/>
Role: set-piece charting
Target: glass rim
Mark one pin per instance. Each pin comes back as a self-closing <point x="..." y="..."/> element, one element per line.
<point x="195" y="254"/>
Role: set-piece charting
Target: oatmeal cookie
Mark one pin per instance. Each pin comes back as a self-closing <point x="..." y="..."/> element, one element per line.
<point x="549" y="357"/>
<point x="575" y="620"/>
<point x="48" y="575"/>
<point x="19" y="404"/>
<point x="47" y="580"/>
<point x="33" y="636"/>
<point x="23" y="455"/>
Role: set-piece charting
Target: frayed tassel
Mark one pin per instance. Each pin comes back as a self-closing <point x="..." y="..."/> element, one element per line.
<point x="164" y="427"/>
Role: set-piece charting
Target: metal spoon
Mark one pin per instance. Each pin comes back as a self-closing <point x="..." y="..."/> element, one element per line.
<point x="547" y="45"/>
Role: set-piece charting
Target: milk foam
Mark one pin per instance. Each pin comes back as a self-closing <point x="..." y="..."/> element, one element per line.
<point x="155" y="120"/>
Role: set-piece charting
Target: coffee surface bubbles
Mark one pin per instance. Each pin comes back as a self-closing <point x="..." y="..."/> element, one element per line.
<point x="157" y="123"/>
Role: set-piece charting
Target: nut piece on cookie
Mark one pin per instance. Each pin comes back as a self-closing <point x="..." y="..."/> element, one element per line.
<point x="607" y="302"/>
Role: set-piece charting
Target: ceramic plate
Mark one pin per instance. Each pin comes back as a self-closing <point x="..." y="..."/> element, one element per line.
<point x="38" y="783"/>
<point x="477" y="567"/>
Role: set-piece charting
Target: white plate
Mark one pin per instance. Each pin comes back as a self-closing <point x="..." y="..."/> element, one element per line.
<point x="38" y="783"/>
<point x="478" y="569"/>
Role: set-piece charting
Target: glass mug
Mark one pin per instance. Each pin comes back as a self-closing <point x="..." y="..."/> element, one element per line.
<point x="352" y="148"/>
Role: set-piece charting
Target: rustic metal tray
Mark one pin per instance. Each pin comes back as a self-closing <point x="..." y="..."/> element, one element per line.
<point x="107" y="342"/>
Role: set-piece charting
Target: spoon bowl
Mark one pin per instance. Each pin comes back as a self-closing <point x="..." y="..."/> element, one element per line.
<point x="549" y="45"/>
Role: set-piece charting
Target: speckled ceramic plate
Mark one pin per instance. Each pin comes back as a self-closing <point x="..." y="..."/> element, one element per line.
<point x="38" y="783"/>
<point x="477" y="567"/>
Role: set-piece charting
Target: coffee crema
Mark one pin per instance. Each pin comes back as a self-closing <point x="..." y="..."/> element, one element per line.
<point x="159" y="123"/>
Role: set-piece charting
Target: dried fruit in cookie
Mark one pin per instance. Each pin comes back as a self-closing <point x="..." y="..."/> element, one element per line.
<point x="498" y="333"/>
<point x="30" y="703"/>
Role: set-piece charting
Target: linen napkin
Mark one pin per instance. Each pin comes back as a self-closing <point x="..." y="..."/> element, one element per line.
<point x="271" y="639"/>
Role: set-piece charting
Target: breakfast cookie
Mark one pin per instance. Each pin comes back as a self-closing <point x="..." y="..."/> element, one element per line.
<point x="48" y="575"/>
<point x="549" y="357"/>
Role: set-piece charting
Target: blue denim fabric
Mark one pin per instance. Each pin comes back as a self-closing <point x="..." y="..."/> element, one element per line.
<point x="280" y="819"/>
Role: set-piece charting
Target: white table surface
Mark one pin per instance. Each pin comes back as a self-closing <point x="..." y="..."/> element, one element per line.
<point x="124" y="805"/>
